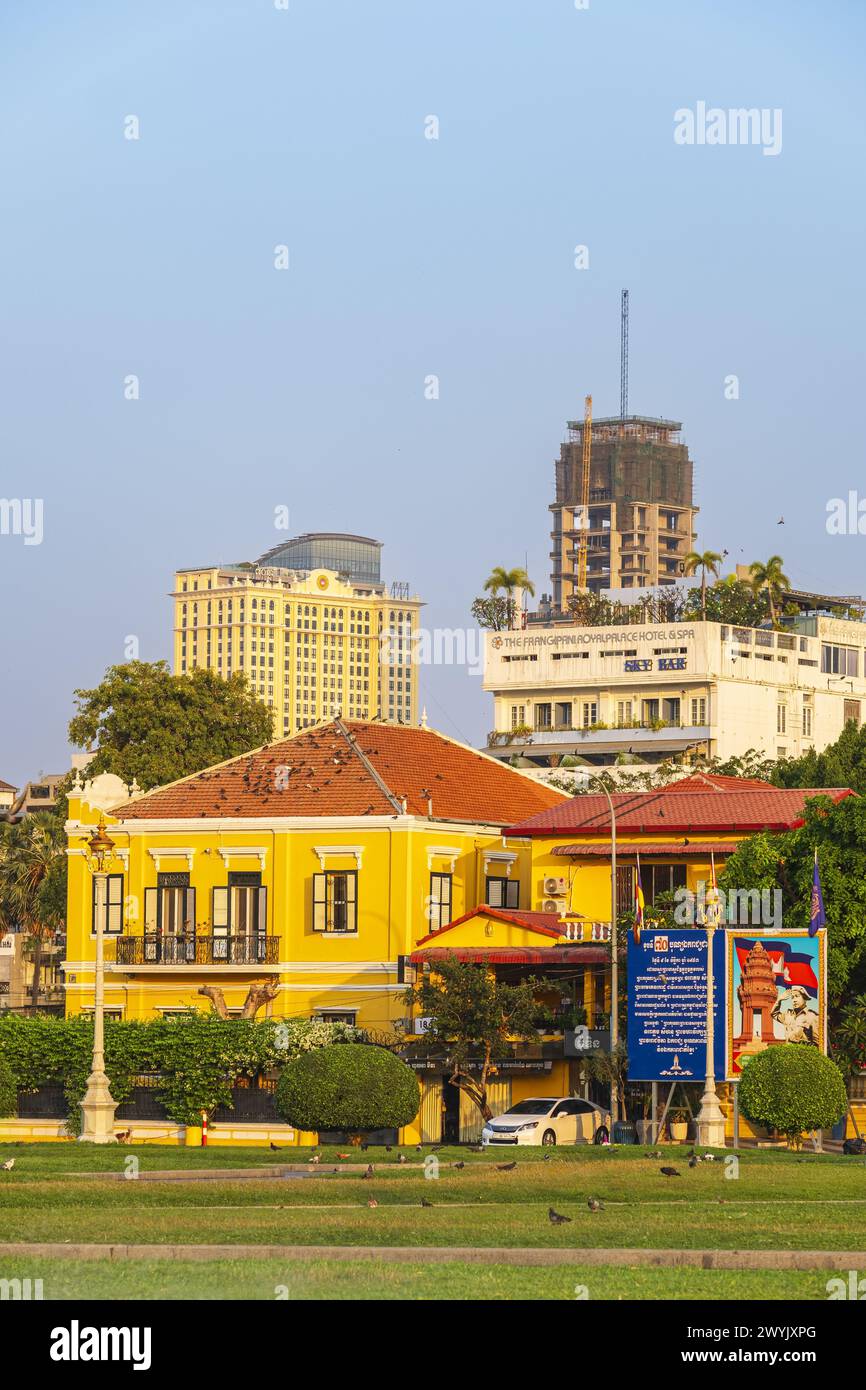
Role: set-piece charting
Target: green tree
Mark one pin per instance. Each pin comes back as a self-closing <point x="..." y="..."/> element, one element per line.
<point x="793" y="1088"/>
<point x="785" y="862"/>
<point x="33" y="883"/>
<point x="707" y="562"/>
<point x="493" y="613"/>
<point x="840" y="764"/>
<point x="156" y="727"/>
<point x="354" y="1087"/>
<point x="474" y="1017"/>
<point x="770" y="577"/>
<point x="505" y="580"/>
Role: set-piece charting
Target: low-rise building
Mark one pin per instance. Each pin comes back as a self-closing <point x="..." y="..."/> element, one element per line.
<point x="674" y="690"/>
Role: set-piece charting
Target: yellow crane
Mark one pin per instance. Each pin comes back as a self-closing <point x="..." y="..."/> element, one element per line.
<point x="583" y="541"/>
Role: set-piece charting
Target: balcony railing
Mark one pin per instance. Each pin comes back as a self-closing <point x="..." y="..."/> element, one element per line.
<point x="154" y="949"/>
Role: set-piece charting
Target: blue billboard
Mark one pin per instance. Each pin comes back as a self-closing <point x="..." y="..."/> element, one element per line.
<point x="667" y="1005"/>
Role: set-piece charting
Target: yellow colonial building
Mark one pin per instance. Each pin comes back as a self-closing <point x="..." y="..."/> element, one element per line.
<point x="316" y="874"/>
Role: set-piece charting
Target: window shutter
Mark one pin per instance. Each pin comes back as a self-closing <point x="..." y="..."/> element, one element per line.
<point x="220" y="910"/>
<point x="189" y="912"/>
<point x="150" y="901"/>
<point x="263" y="911"/>
<point x="114" y="909"/>
<point x="319" y="897"/>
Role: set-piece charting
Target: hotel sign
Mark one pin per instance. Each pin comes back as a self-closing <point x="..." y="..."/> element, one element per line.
<point x="588" y="637"/>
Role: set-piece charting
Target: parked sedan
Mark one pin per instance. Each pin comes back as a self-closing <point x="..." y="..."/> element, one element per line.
<point x="546" y="1120"/>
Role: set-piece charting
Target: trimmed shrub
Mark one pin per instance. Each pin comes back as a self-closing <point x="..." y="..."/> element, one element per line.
<point x="793" y="1088"/>
<point x="8" y="1089"/>
<point x="353" y="1087"/>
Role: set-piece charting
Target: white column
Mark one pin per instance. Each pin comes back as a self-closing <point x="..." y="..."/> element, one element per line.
<point x="711" y="1120"/>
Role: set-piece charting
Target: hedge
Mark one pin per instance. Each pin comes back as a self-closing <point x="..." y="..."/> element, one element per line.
<point x="8" y="1088"/>
<point x="198" y="1057"/>
<point x="793" y="1088"/>
<point x="356" y="1087"/>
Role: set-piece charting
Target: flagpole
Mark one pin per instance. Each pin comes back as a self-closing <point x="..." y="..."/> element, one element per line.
<point x="711" y="1120"/>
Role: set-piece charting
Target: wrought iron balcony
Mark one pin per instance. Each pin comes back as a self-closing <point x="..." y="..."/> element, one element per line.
<point x="156" y="949"/>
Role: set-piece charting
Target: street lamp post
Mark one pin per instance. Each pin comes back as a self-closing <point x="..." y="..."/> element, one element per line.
<point x="98" y="1107"/>
<point x="614" y="961"/>
<point x="711" y="1120"/>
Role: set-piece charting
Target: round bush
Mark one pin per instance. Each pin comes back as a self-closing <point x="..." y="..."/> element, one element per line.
<point x="793" y="1088"/>
<point x="8" y="1089"/>
<point x="351" y="1086"/>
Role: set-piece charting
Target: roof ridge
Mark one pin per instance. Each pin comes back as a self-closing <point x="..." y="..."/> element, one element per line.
<point x="365" y="762"/>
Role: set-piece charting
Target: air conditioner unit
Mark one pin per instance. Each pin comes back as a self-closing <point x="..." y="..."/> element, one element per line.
<point x="555" y="887"/>
<point x="551" y="905"/>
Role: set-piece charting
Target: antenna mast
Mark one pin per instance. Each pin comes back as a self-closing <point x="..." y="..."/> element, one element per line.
<point x="623" y="363"/>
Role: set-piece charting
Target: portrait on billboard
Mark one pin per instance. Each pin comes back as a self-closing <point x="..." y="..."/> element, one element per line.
<point x="776" y="993"/>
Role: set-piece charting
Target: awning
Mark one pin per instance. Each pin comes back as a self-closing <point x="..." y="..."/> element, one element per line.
<point x="667" y="848"/>
<point x="514" y="955"/>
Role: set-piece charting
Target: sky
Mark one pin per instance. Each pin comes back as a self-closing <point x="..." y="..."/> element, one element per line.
<point x="307" y="127"/>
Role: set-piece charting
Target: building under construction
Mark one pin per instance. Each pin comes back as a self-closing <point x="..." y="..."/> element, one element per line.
<point x="636" y="516"/>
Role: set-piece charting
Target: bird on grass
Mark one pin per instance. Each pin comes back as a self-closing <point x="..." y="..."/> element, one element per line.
<point x="595" y="1205"/>
<point x="371" y="1202"/>
<point x="401" y="1158"/>
<point x="476" y="1148"/>
<point x="694" y="1161"/>
<point x="9" y="1165"/>
<point x="548" y="1158"/>
<point x="425" y="1203"/>
<point x="709" y="1158"/>
<point x="343" y="1156"/>
<point x="419" y="1149"/>
<point x="556" y="1218"/>
<point x="123" y="1136"/>
<point x="388" y="1148"/>
<point x="458" y="1165"/>
<point x="369" y="1172"/>
<point x="656" y="1153"/>
<point x="315" y="1158"/>
<point x="671" y="1172"/>
<point x="275" y="1148"/>
<point x="505" y="1167"/>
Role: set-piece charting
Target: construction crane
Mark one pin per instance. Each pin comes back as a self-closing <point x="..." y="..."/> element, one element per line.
<point x="583" y="541"/>
<point x="623" y="363"/>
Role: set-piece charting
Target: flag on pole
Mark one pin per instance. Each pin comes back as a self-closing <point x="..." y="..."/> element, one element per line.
<point x="638" y="903"/>
<point x="713" y="911"/>
<point x="817" y="915"/>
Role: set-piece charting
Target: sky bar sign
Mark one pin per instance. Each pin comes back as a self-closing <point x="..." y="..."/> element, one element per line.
<point x="667" y="1005"/>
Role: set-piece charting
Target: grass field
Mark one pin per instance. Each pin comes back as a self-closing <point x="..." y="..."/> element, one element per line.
<point x="771" y="1201"/>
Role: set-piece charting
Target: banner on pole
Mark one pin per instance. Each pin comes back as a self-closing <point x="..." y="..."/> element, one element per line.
<point x="667" y="1005"/>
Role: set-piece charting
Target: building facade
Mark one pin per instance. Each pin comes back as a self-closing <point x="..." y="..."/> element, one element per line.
<point x="309" y="642"/>
<point x="641" y="520"/>
<point x="674" y="690"/>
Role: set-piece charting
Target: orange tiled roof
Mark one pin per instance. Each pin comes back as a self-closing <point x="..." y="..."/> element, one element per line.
<point x="539" y="922"/>
<point x="353" y="769"/>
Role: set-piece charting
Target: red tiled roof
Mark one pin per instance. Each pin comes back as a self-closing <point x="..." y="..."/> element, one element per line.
<point x="649" y="850"/>
<point x="543" y="956"/>
<point x="676" y="811"/>
<point x="716" y="781"/>
<point x="353" y="769"/>
<point x="532" y="921"/>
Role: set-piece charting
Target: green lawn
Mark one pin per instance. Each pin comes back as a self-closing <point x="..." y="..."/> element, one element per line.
<point x="376" y="1280"/>
<point x="777" y="1201"/>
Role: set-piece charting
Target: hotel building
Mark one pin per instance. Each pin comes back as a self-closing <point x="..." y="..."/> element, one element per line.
<point x="312" y="627"/>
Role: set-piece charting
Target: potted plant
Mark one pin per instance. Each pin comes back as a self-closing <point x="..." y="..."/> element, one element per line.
<point x="678" y="1125"/>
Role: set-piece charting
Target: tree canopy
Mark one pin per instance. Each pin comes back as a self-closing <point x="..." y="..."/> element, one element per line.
<point x="841" y="764"/>
<point x="793" y="1088"/>
<point x="156" y="727"/>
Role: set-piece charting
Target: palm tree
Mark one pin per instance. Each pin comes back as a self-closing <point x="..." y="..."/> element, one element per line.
<point x="509" y="580"/>
<point x="32" y="879"/>
<point x="707" y="562"/>
<point x="770" y="576"/>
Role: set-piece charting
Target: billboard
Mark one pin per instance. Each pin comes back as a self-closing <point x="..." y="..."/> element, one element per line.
<point x="776" y="991"/>
<point x="667" y="1005"/>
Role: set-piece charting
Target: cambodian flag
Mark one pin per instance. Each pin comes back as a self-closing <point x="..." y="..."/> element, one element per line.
<point x="790" y="967"/>
<point x="817" y="915"/>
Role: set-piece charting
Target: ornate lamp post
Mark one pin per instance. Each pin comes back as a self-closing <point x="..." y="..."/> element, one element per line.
<point x="711" y="1120"/>
<point x="97" y="1108"/>
<point x="614" y="961"/>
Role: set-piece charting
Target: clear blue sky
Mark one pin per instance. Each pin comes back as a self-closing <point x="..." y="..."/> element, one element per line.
<point x="408" y="257"/>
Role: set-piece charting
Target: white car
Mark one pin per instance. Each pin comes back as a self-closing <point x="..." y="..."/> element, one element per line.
<point x="546" y="1120"/>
